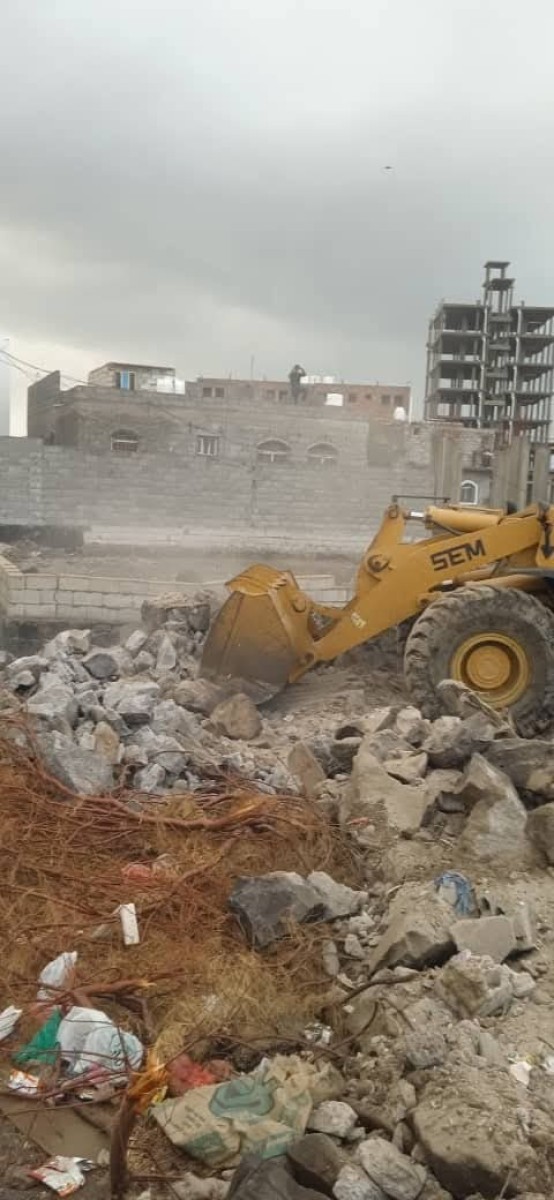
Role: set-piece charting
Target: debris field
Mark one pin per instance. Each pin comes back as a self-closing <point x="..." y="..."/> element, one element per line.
<point x="291" y="952"/>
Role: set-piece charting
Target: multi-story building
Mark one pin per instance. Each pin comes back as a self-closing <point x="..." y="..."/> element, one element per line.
<point x="490" y="364"/>
<point x="127" y="406"/>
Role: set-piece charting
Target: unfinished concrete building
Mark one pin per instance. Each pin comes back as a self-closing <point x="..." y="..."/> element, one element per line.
<point x="490" y="364"/>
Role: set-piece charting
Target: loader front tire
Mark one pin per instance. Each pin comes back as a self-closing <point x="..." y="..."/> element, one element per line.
<point x="498" y="641"/>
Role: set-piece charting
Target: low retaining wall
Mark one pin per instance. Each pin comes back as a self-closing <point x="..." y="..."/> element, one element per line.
<point x="79" y="600"/>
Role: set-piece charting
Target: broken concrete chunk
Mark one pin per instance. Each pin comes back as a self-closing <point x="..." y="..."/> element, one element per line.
<point x="492" y="937"/>
<point x="136" y="756"/>
<point x="540" y="828"/>
<point x="150" y="778"/>
<point x="169" y="718"/>
<point x="496" y="826"/>
<point x="106" y="743"/>
<point x="479" y="987"/>
<point x="23" y="681"/>
<point x="470" y="1130"/>
<point x="266" y="907"/>
<point x="409" y="769"/>
<point x="440" y="739"/>
<point x="452" y="741"/>
<point x="237" y="717"/>
<point x="396" y="1174"/>
<point x="194" y="1187"/>
<point x="102" y="664"/>
<point x="379" y="718"/>
<point x="35" y="663"/>
<point x="198" y="695"/>
<point x="84" y="772"/>
<point x="330" y="957"/>
<point x="134" y="700"/>
<point x="144" y="662"/>
<point x="353" y="947"/>
<point x="316" y="1162"/>
<point x="372" y="791"/>
<point x="167" y="655"/>
<point x="441" y="783"/>
<point x="418" y="932"/>
<point x="354" y="1184"/>
<point x="72" y="641"/>
<point x="303" y="763"/>
<point x="424" y="1048"/>
<point x="529" y="762"/>
<point x="481" y="781"/>
<point x="333" y="1117"/>
<point x="524" y="926"/>
<point x="387" y="745"/>
<point x="268" y="1179"/>
<point x="53" y="700"/>
<point x="411" y="726"/>
<point x="136" y="641"/>
<point x="459" y="700"/>
<point x="343" y="752"/>
<point x="339" y="900"/>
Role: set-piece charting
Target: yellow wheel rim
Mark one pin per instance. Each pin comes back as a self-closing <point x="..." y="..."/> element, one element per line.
<point x="494" y="665"/>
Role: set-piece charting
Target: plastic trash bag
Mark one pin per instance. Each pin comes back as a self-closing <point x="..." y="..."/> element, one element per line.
<point x="457" y="889"/>
<point x="8" y="1021"/>
<point x="109" y="1050"/>
<point x="43" y="1047"/>
<point x="57" y="975"/>
<point x="91" y="1044"/>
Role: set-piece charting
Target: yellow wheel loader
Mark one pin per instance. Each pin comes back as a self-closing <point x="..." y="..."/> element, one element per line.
<point x="478" y="590"/>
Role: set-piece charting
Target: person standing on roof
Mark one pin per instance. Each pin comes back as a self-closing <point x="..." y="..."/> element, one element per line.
<point x="296" y="375"/>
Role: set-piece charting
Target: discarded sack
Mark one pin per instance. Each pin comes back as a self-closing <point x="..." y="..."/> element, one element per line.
<point x="259" y="1113"/>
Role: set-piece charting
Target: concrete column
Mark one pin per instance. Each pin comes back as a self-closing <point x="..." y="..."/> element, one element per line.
<point x="447" y="465"/>
<point x="541" y="474"/>
<point x="510" y="474"/>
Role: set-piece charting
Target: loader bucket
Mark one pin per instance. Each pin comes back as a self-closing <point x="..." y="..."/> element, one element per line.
<point x="248" y="642"/>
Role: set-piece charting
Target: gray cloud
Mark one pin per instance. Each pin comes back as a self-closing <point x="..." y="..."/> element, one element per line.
<point x="198" y="184"/>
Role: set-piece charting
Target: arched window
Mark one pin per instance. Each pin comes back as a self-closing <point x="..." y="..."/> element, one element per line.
<point x="323" y="454"/>
<point x="469" y="492"/>
<point x="124" y="441"/>
<point x="273" y="451"/>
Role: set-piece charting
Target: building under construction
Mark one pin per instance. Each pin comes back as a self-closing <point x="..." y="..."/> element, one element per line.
<point x="491" y="364"/>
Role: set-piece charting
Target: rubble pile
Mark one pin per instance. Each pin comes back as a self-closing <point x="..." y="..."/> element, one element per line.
<point x="345" y="924"/>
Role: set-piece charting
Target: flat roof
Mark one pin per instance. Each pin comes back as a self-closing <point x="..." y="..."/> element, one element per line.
<point x="127" y="366"/>
<point x="217" y="381"/>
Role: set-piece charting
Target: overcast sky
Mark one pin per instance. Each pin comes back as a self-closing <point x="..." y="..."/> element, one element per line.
<point x="200" y="183"/>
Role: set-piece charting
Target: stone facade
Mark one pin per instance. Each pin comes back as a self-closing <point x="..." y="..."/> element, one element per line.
<point x="137" y="408"/>
<point x="126" y="457"/>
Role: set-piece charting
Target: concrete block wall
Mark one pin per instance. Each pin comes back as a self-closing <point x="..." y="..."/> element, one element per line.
<point x="80" y="600"/>
<point x="54" y="485"/>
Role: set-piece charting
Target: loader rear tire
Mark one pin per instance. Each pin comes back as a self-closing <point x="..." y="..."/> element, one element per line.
<point x="498" y="641"/>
